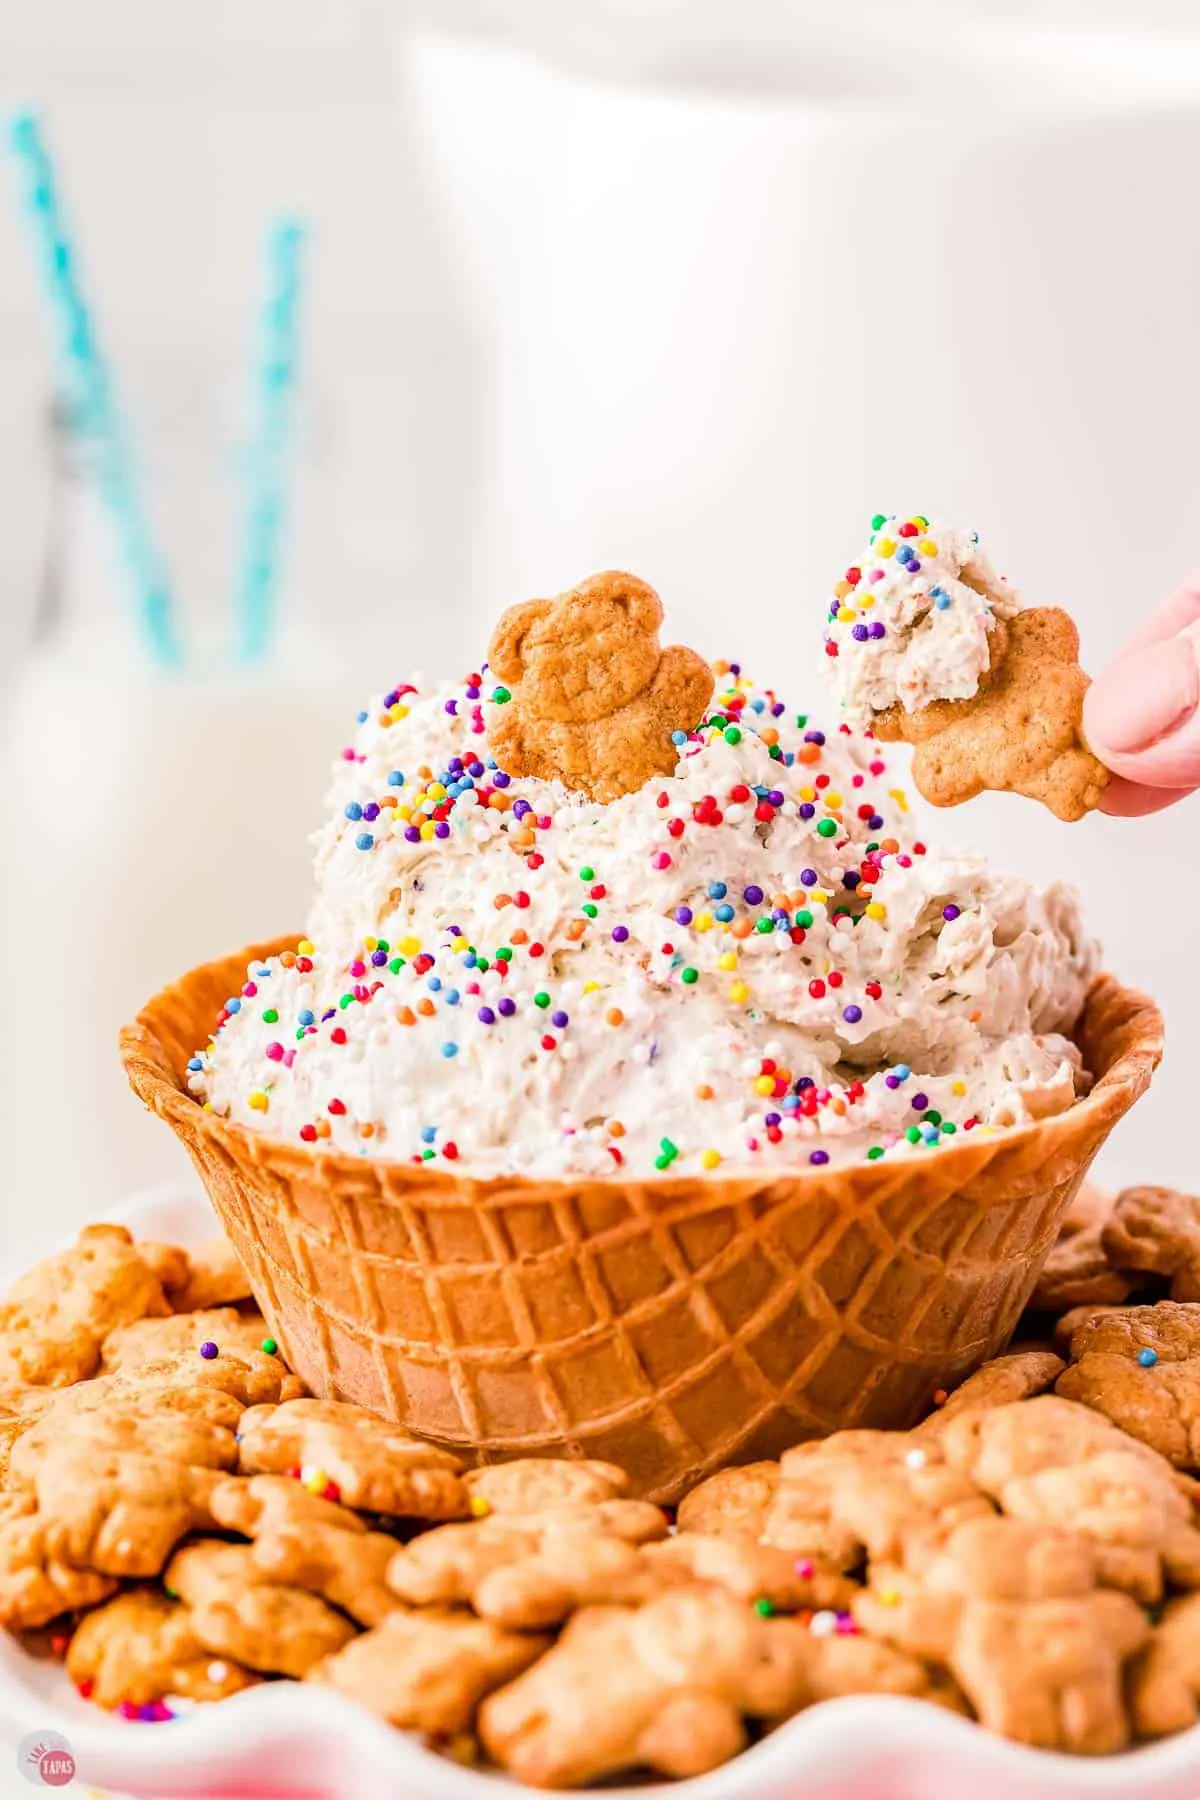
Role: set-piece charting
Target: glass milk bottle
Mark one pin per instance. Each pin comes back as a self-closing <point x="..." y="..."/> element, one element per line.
<point x="153" y="818"/>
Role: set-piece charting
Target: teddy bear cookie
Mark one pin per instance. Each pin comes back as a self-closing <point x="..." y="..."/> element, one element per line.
<point x="667" y="1686"/>
<point x="367" y="1462"/>
<point x="1022" y="732"/>
<point x="835" y="1500"/>
<point x="1140" y="1367"/>
<point x="429" y="1670"/>
<point x="181" y="1336"/>
<point x="1079" y="1270"/>
<point x="1018" y="1376"/>
<point x="1155" y="1232"/>
<point x="1050" y="1459"/>
<point x="205" y="1275"/>
<point x="58" y="1313"/>
<point x="239" y="1610"/>
<point x="1164" y="1688"/>
<point x="1015" y="1613"/>
<point x="142" y="1646"/>
<point x="302" y="1540"/>
<point x="589" y="698"/>
<point x="1145" y="1242"/>
<point x="928" y="645"/>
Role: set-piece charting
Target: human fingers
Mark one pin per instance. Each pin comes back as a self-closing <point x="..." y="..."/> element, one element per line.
<point x="1176" y="613"/>
<point x="1142" y="716"/>
<point x="1128" y="800"/>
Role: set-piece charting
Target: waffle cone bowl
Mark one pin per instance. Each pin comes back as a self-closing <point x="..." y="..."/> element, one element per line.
<point x="669" y="1325"/>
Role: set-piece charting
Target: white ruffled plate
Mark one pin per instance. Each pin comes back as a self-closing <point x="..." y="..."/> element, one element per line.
<point x="285" y="1741"/>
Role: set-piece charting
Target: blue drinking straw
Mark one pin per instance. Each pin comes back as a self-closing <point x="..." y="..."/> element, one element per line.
<point x="90" y="390"/>
<point x="271" y="436"/>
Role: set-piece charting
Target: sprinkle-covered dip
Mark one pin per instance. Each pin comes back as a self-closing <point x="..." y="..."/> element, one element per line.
<point x="911" y="620"/>
<point x="756" y="963"/>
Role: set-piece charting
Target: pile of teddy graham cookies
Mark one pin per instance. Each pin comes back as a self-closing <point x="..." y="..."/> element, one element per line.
<point x="179" y="1520"/>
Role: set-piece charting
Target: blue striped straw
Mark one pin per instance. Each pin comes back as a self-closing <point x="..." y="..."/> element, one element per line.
<point x="89" y="386"/>
<point x="268" y="457"/>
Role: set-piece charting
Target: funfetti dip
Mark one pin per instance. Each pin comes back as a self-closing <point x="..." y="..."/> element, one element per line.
<point x="757" y="962"/>
<point x="912" y="618"/>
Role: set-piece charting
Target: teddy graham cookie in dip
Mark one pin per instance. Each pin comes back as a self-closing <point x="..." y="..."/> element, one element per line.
<point x="596" y="909"/>
<point x="926" y="643"/>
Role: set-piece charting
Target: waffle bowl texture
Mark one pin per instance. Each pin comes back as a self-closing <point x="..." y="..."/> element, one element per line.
<point x="669" y="1325"/>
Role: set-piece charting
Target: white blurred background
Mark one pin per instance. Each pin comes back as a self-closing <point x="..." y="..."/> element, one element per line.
<point x="690" y="288"/>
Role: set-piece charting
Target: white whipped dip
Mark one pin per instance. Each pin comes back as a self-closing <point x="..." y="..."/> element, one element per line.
<point x="912" y="618"/>
<point x="755" y="963"/>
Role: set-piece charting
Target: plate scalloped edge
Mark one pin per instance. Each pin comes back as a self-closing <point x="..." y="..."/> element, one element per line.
<point x="287" y="1742"/>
